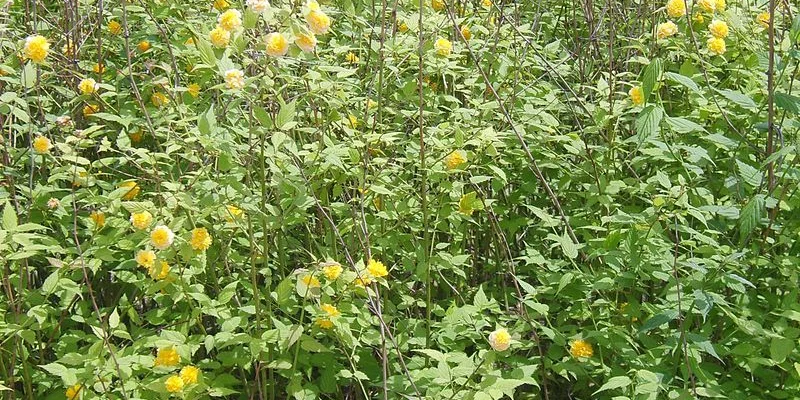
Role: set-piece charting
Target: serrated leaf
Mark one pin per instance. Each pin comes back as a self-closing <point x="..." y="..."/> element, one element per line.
<point x="683" y="80"/>
<point x="683" y="125"/>
<point x="749" y="174"/>
<point x="787" y="102"/>
<point x="647" y="123"/>
<point x="616" y="382"/>
<point x="751" y="215"/>
<point x="658" y="320"/>
<point x="738" y="98"/>
<point x="652" y="73"/>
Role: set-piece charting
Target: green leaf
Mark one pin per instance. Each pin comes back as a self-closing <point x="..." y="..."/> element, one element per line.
<point x="651" y="76"/>
<point x="780" y="348"/>
<point x="739" y="98"/>
<point x="787" y="102"/>
<point x="749" y="174"/>
<point x="9" y="217"/>
<point x="658" y="320"/>
<point x="647" y="123"/>
<point x="207" y="123"/>
<point x="616" y="382"/>
<point x="683" y="80"/>
<point x="480" y="299"/>
<point x="567" y="246"/>
<point x="751" y="215"/>
<point x="285" y="115"/>
<point x="683" y="125"/>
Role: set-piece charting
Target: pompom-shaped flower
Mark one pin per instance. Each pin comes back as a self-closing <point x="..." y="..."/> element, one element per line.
<point x="455" y="159"/>
<point x="98" y="68"/>
<point x="221" y="5"/>
<point x="146" y="258"/>
<point x="143" y="46"/>
<point x="437" y="5"/>
<point x="174" y="384"/>
<point x="73" y="391"/>
<point x="200" y="239"/>
<point x="189" y="374"/>
<point x="42" y="145"/>
<point x="141" y="220"/>
<point x="311" y="281"/>
<point x="258" y="6"/>
<point x="486" y="3"/>
<point x="580" y="349"/>
<point x="193" y="89"/>
<point x="443" y="47"/>
<point x="219" y="37"/>
<point x="161" y="237"/>
<point x="666" y="30"/>
<point x="699" y="18"/>
<point x="99" y="218"/>
<point x="351" y="58"/>
<point x="159" y="99"/>
<point x="763" y="19"/>
<point x="330" y="310"/>
<point x="318" y="22"/>
<point x="718" y="29"/>
<point x="324" y="323"/>
<point x="716" y="46"/>
<point x="466" y="32"/>
<point x="376" y="269"/>
<point x="402" y="28"/>
<point x="312" y="5"/>
<point x="159" y="271"/>
<point x="90" y="109"/>
<point x="332" y="270"/>
<point x="500" y="339"/>
<point x="306" y="42"/>
<point x="36" y="48"/>
<point x="232" y="212"/>
<point x="277" y="45"/>
<point x="637" y="95"/>
<point x="676" y="8"/>
<point x="167" y="357"/>
<point x="234" y="79"/>
<point x="114" y="27"/>
<point x="230" y="20"/>
<point x="363" y="280"/>
<point x="719" y="5"/>
<point x="133" y="190"/>
<point x="707" y="5"/>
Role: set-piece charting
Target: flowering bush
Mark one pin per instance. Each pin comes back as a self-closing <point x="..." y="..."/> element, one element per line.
<point x="412" y="199"/>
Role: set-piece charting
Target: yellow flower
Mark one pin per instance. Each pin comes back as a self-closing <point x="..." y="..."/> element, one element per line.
<point x="219" y="37"/>
<point x="90" y="109"/>
<point x="200" y="240"/>
<point x="162" y="271"/>
<point x="676" y="8"/>
<point x="466" y="32"/>
<point x="707" y="5"/>
<point x="73" y="391"/>
<point x="318" y="22"/>
<point x="221" y="5"/>
<point x="311" y="281"/>
<point x="455" y="159"/>
<point x="306" y="42"/>
<point x="312" y="5"/>
<point x="486" y="3"/>
<point x="330" y="310"/>
<point x="437" y="5"/>
<point x="718" y="29"/>
<point x="234" y="79"/>
<point x="351" y="57"/>
<point x="666" y="29"/>
<point x="161" y="237"/>
<point x="146" y="258"/>
<point x="230" y="20"/>
<point x="277" y="45"/>
<point x="324" y="323"/>
<point x="189" y="374"/>
<point x="68" y="48"/>
<point x="114" y="27"/>
<point x="443" y="47"/>
<point x="500" y="339"/>
<point x="403" y="27"/>
<point x="159" y="99"/>
<point x="580" y="349"/>
<point x="133" y="190"/>
<point x="174" y="384"/>
<point x="143" y="46"/>
<point x="36" y="48"/>
<point x="699" y="18"/>
<point x="193" y="89"/>
<point x="167" y="357"/>
<point x="258" y="6"/>
<point x="716" y="46"/>
<point x="353" y="121"/>
<point x="98" y="68"/>
<point x="42" y="145"/>
<point x="332" y="270"/>
<point x="99" y="218"/>
<point x="233" y="212"/>
<point x="363" y="281"/>
<point x="637" y="95"/>
<point x="141" y="220"/>
<point x="763" y="19"/>
<point x="719" y="5"/>
<point x="376" y="269"/>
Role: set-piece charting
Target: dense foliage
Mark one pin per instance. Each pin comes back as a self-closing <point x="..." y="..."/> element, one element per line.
<point x="350" y="199"/>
